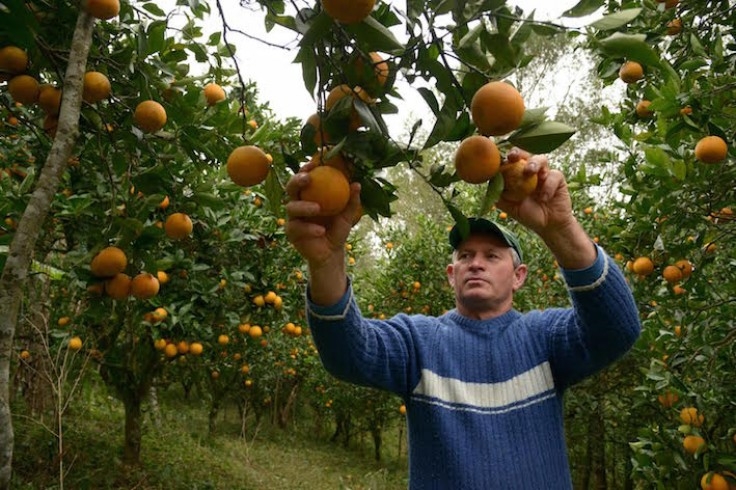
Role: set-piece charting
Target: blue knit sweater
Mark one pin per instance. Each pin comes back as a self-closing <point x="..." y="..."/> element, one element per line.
<point x="484" y="398"/>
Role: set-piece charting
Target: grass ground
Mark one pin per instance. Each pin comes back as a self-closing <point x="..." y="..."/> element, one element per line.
<point x="180" y="455"/>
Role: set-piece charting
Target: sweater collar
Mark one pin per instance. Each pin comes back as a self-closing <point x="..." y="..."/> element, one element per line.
<point x="471" y="323"/>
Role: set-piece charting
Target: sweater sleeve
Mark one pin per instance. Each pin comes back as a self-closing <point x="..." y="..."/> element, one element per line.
<point x="602" y="326"/>
<point x="372" y="353"/>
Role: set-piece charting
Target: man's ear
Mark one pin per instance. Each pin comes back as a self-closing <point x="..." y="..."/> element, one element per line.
<point x="520" y="276"/>
<point x="450" y="276"/>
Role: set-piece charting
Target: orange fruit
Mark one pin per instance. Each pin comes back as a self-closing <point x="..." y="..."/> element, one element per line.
<point x="49" y="98"/>
<point x="711" y="149"/>
<point x="497" y="108"/>
<point x="178" y="226"/>
<point x="182" y="347"/>
<point x="158" y="315"/>
<point x="102" y="9"/>
<point x="672" y="274"/>
<point x="13" y="60"/>
<point x="24" y="89"/>
<point x="118" y="286"/>
<point x="162" y="277"/>
<point x="63" y="321"/>
<point x="75" y="343"/>
<point x="378" y="76"/>
<point x="402" y="409"/>
<point x="320" y="135"/>
<point x="668" y="4"/>
<point x="50" y="125"/>
<point x="25" y="355"/>
<point x="213" y="93"/>
<point x="348" y="11"/>
<point x="255" y="331"/>
<point x="270" y="297"/>
<point x="643" y="266"/>
<point x="642" y="109"/>
<point x="259" y="301"/>
<point x="339" y="161"/>
<point x="516" y="185"/>
<point x="144" y="286"/>
<point x="108" y="262"/>
<point x="685" y="267"/>
<point x="674" y="27"/>
<point x="340" y="92"/>
<point x="631" y="72"/>
<point x="170" y="350"/>
<point x="668" y="399"/>
<point x="477" y="159"/>
<point x="96" y="87"/>
<point x="329" y="188"/>
<point x="713" y="481"/>
<point x="690" y="416"/>
<point x="150" y="116"/>
<point x="248" y="165"/>
<point x="196" y="349"/>
<point x="692" y="443"/>
<point x="223" y="339"/>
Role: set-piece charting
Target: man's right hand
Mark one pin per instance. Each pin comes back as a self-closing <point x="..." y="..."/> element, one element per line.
<point x="320" y="240"/>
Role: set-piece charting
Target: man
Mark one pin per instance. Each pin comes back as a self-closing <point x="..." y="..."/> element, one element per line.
<point x="483" y="383"/>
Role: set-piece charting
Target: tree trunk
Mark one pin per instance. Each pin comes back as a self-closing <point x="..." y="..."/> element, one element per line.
<point x="598" y="434"/>
<point x="133" y="434"/>
<point x="21" y="249"/>
<point x="214" y="410"/>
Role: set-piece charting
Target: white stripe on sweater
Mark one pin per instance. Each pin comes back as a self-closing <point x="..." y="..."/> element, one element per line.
<point x="522" y="390"/>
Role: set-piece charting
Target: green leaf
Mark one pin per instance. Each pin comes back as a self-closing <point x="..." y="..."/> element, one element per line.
<point x="309" y="68"/>
<point x="469" y="39"/>
<point x="154" y="9"/>
<point x="274" y="192"/>
<point x="616" y="20"/>
<point x="542" y="138"/>
<point x="493" y="194"/>
<point x="632" y="47"/>
<point x="376" y="36"/>
<point x="583" y="8"/>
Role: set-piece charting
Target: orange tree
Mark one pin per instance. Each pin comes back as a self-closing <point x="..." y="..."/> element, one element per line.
<point x="674" y="207"/>
<point x="126" y="177"/>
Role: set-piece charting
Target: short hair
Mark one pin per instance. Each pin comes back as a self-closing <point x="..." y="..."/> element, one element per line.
<point x="515" y="258"/>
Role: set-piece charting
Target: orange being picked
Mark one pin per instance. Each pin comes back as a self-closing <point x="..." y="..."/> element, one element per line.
<point x="497" y="108"/>
<point x="108" y="262"/>
<point x="178" y="226"/>
<point x="248" y="165"/>
<point x="96" y="87"/>
<point x="516" y="184"/>
<point x="339" y="161"/>
<point x="348" y="11"/>
<point x="150" y="116"/>
<point x="329" y="188"/>
<point x="710" y="149"/>
<point x="477" y="159"/>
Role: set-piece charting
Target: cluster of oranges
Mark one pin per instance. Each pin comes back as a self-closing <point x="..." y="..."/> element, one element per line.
<point x="496" y="108"/>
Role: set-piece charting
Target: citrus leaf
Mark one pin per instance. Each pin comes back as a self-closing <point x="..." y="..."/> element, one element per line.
<point x="632" y="47"/>
<point x="542" y="138"/>
<point x="493" y="193"/>
<point x="375" y="35"/>
<point x="583" y="8"/>
<point x="616" y="20"/>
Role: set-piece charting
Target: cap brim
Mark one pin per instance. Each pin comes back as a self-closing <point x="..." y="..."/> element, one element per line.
<point x="460" y="233"/>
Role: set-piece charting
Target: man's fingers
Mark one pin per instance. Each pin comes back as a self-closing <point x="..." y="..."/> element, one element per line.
<point x="548" y="186"/>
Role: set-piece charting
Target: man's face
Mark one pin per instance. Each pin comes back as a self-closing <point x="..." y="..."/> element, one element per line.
<point x="484" y="277"/>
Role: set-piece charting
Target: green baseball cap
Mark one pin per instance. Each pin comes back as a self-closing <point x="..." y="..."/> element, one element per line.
<point x="482" y="225"/>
